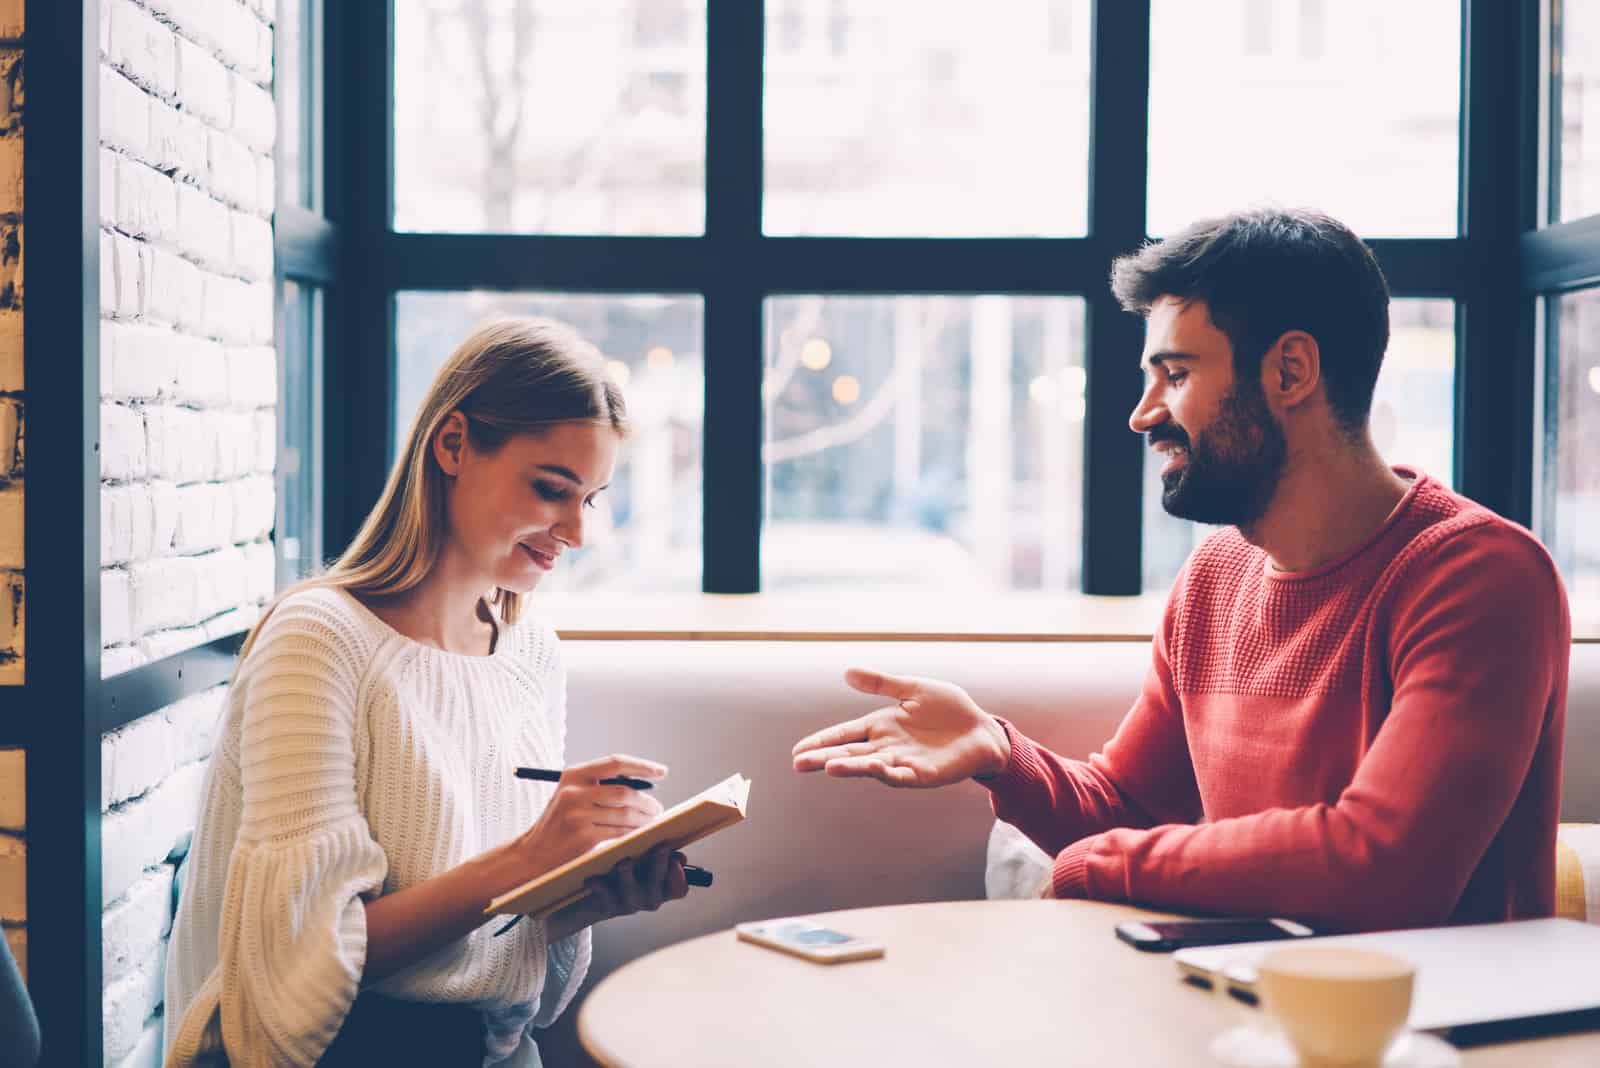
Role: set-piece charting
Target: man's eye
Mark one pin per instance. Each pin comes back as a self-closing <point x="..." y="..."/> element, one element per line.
<point x="549" y="492"/>
<point x="1177" y="376"/>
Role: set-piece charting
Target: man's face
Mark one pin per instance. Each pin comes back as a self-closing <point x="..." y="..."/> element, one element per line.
<point x="1224" y="450"/>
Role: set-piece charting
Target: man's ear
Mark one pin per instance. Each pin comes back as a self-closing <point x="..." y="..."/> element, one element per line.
<point x="1291" y="370"/>
<point x="448" y="443"/>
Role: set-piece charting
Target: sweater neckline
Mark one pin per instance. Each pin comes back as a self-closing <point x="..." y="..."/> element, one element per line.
<point x="1418" y="481"/>
<point x="377" y="622"/>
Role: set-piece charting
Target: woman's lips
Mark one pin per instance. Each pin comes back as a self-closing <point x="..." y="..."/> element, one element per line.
<point x="545" y="561"/>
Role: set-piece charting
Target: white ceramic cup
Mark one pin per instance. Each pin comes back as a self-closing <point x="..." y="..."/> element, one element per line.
<point x="1339" y="1007"/>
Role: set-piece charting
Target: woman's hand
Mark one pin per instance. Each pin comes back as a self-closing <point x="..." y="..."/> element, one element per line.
<point x="583" y="813"/>
<point x="641" y="885"/>
<point x="932" y="736"/>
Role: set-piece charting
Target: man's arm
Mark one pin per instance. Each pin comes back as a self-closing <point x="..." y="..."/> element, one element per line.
<point x="1479" y="651"/>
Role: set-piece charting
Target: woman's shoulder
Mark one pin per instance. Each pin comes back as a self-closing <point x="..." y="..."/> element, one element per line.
<point x="535" y="644"/>
<point x="321" y="617"/>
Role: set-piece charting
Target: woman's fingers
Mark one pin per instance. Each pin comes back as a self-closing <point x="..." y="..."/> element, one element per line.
<point x="677" y="886"/>
<point x="615" y="764"/>
<point x="604" y="900"/>
<point x="625" y="881"/>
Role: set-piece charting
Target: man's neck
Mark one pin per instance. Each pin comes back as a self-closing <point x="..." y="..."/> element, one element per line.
<point x="1331" y="499"/>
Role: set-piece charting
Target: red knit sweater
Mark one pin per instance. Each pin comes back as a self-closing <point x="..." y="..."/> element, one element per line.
<point x="1373" y="744"/>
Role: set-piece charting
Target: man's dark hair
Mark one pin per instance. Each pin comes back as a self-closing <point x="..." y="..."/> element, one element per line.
<point x="1264" y="272"/>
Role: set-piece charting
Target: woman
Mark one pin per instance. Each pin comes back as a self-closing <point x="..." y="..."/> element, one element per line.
<point x="361" y="807"/>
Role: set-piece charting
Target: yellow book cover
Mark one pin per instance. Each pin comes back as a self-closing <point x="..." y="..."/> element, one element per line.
<point x="700" y="816"/>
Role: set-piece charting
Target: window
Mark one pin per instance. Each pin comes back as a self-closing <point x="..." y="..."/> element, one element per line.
<point x="931" y="443"/>
<point x="1356" y="114"/>
<point x="299" y="469"/>
<point x="1413" y="421"/>
<point x="645" y="534"/>
<point x="546" y="116"/>
<point x="1575" y="103"/>
<point x="919" y="120"/>
<point x="1571" y="440"/>
<point x="299" y="118"/>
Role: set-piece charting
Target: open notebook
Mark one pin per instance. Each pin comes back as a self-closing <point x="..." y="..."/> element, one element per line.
<point x="702" y="815"/>
<point x="1479" y="974"/>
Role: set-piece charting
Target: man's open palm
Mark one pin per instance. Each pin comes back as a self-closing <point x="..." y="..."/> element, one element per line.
<point x="932" y="736"/>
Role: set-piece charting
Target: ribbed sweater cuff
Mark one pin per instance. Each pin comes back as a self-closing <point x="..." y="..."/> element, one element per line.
<point x="1071" y="876"/>
<point x="1023" y="773"/>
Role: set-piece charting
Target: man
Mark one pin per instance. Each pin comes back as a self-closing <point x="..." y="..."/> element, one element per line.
<point x="1356" y="701"/>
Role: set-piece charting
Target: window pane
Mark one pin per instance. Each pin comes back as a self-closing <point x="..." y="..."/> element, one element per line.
<point x="298" y="533"/>
<point x="909" y="119"/>
<point x="294" y="39"/>
<point x="1413" y="424"/>
<point x="929" y="443"/>
<point x="1350" y="107"/>
<point x="550" y="116"/>
<point x="1572" y="437"/>
<point x="645" y="531"/>
<point x="1577" y="102"/>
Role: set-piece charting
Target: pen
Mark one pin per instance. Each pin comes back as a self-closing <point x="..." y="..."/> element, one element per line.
<point x="554" y="775"/>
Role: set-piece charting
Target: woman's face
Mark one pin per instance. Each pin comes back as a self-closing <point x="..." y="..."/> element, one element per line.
<point x="513" y="512"/>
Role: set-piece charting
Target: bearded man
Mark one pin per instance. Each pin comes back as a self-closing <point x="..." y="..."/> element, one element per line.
<point x="1356" y="700"/>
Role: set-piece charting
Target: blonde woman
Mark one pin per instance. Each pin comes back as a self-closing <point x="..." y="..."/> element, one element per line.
<point x="361" y="807"/>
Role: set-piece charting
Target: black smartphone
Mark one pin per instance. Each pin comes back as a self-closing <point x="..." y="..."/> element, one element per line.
<point x="1162" y="936"/>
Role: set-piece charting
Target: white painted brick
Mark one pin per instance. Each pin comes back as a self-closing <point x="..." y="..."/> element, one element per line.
<point x="116" y="661"/>
<point x="108" y="275"/>
<point x="163" y="518"/>
<point x="128" y="1004"/>
<point x="259" y="312"/>
<point x="260" y="67"/>
<point x="191" y="297"/>
<point x="177" y="142"/>
<point x="11" y="175"/>
<point x="11" y="527"/>
<point x="108" y="188"/>
<point x="163" y="594"/>
<point x="180" y="444"/>
<point x="131" y="279"/>
<point x="205" y="516"/>
<point x="252" y="246"/>
<point x="253" y="377"/>
<point x="203" y="87"/>
<point x="203" y="228"/>
<point x="202" y="373"/>
<point x="224" y="582"/>
<point x="266" y="184"/>
<point x="255" y="118"/>
<point x="194" y="722"/>
<point x="141" y="366"/>
<point x="233" y="170"/>
<point x="236" y="444"/>
<point x="147" y="1051"/>
<point x="261" y="569"/>
<point x="13" y="878"/>
<point x="266" y="427"/>
<point x="164" y="301"/>
<point x="147" y="202"/>
<point x="254" y="507"/>
<point x="116" y="613"/>
<point x="11" y="350"/>
<point x="117" y="523"/>
<point x="106" y="760"/>
<point x="140" y="834"/>
<point x="143" y="48"/>
<point x="105" y="29"/>
<point x="124" y="115"/>
<point x="13" y="792"/>
<point x="143" y="754"/>
<point x="162" y="644"/>
<point x="124" y="454"/>
<point x="235" y="622"/>
<point x="134" y="929"/>
<point x="226" y="309"/>
<point x="186" y="15"/>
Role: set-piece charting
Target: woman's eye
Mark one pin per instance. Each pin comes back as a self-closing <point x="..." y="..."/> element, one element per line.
<point x="549" y="492"/>
<point x="588" y="502"/>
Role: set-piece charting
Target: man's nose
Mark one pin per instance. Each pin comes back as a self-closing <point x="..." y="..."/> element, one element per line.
<point x="1149" y="412"/>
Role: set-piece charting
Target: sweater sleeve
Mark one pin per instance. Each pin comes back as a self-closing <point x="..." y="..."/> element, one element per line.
<point x="1143" y="776"/>
<point x="1478" y="645"/>
<point x="293" y="939"/>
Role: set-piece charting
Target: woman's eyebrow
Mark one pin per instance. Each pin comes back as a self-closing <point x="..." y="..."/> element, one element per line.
<point x="568" y="474"/>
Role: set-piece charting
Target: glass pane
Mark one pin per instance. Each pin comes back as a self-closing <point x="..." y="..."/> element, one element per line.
<point x="645" y="531"/>
<point x="918" y="120"/>
<point x="1576" y="35"/>
<point x="294" y="39"/>
<point x="1572" y="437"/>
<point x="298" y="534"/>
<point x="1350" y="107"/>
<point x="1413" y="424"/>
<point x="927" y="443"/>
<point x="550" y="116"/>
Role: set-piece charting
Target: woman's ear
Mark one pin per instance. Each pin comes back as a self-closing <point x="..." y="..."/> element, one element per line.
<point x="449" y="442"/>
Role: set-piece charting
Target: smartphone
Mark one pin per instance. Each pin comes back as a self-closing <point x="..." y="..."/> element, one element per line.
<point x="803" y="938"/>
<point x="1164" y="936"/>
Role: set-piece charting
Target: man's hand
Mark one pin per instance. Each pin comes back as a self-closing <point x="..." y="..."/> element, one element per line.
<point x="933" y="735"/>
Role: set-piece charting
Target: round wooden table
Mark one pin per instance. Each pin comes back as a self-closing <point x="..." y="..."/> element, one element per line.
<point x="964" y="983"/>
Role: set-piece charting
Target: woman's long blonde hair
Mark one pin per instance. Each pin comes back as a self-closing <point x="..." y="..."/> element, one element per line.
<point x="510" y="377"/>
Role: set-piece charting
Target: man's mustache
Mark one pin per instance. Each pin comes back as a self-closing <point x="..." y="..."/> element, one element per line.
<point x="1167" y="432"/>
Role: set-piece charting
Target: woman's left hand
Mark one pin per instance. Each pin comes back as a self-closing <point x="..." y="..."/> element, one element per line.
<point x="641" y="885"/>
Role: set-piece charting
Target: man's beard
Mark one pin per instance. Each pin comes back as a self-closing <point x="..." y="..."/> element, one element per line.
<point x="1233" y="466"/>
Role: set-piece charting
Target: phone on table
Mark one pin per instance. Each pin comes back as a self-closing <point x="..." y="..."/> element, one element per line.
<point x="1161" y="936"/>
<point x="812" y="941"/>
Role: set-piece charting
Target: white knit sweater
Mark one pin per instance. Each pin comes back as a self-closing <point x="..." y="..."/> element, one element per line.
<point x="353" y="761"/>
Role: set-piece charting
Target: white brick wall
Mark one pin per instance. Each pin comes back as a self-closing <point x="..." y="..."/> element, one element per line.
<point x="188" y="388"/>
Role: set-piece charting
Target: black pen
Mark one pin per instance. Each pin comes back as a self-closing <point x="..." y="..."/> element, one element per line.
<point x="554" y="775"/>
